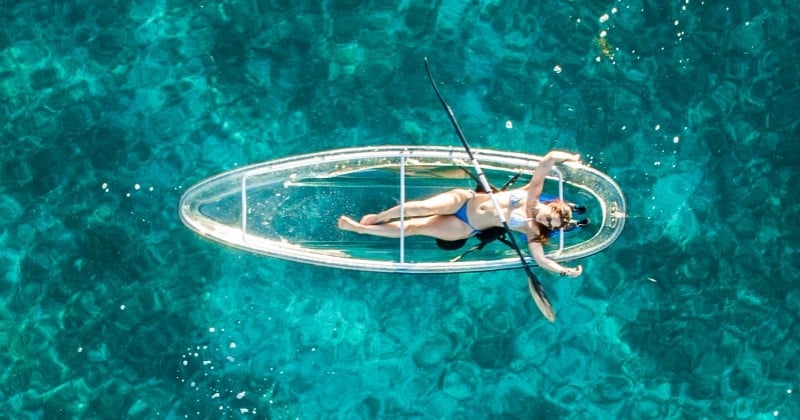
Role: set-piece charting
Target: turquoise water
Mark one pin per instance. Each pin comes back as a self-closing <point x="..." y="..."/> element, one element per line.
<point x="110" y="308"/>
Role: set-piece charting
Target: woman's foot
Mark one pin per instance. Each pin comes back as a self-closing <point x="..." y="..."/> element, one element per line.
<point x="370" y="219"/>
<point x="346" y="223"/>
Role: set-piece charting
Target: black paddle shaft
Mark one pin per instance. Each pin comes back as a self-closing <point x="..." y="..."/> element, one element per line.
<point x="536" y="288"/>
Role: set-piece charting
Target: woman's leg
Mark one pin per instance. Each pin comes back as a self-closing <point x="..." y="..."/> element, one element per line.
<point x="448" y="228"/>
<point x="444" y="203"/>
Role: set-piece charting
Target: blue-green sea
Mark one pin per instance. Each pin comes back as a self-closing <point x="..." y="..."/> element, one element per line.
<point x="111" y="308"/>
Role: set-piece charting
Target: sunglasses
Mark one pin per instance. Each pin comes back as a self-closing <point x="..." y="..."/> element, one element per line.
<point x="554" y="216"/>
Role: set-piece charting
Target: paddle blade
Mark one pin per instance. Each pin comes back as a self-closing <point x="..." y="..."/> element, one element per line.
<point x="540" y="297"/>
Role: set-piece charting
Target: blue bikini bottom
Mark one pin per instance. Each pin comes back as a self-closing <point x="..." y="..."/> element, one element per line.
<point x="461" y="214"/>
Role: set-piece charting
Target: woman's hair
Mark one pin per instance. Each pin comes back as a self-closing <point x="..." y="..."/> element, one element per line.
<point x="563" y="210"/>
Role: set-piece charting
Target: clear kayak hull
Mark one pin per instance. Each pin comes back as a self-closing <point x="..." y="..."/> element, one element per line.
<point x="288" y="208"/>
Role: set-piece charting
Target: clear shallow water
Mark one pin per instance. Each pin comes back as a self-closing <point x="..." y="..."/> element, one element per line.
<point x="110" y="308"/>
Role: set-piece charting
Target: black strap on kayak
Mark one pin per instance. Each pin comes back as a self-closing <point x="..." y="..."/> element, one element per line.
<point x="535" y="286"/>
<point x="485" y="237"/>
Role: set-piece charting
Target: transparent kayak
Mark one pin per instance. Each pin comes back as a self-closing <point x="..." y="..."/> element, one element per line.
<point x="288" y="208"/>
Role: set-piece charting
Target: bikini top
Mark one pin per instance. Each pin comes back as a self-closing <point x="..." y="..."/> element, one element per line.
<point x="517" y="198"/>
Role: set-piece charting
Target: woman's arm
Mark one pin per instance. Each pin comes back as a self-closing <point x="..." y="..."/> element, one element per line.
<point x="538" y="255"/>
<point x="534" y="187"/>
